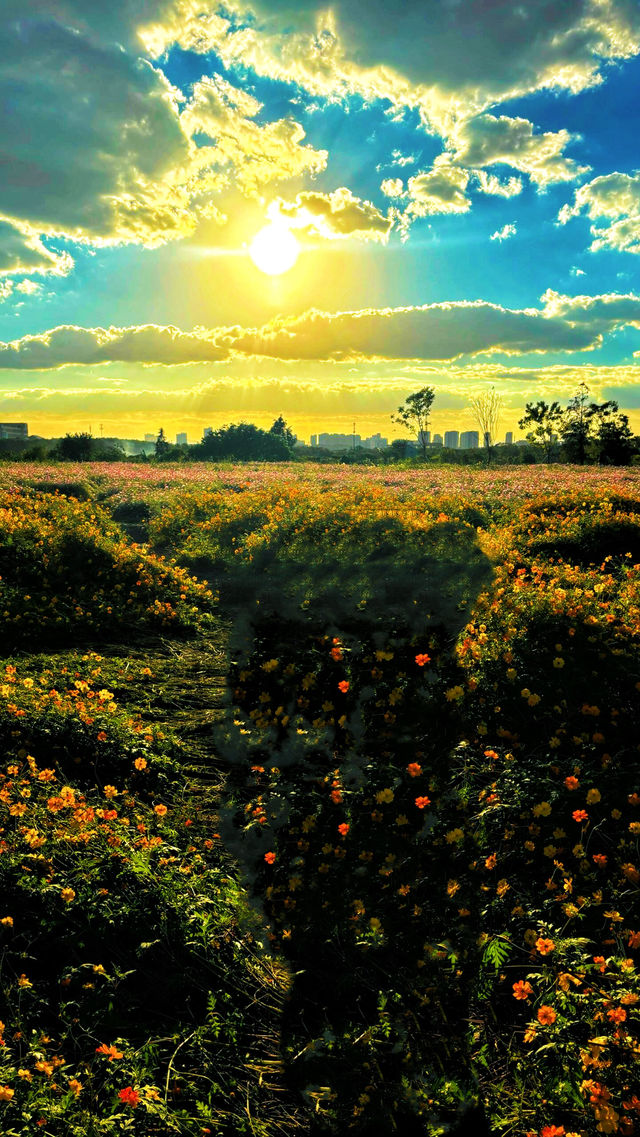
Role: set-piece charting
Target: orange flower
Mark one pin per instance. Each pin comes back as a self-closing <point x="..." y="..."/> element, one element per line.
<point x="414" y="769"/>
<point x="617" y="1014"/>
<point x="580" y="815"/>
<point x="343" y="686"/>
<point x="129" y="1096"/>
<point x="491" y="861"/>
<point x="422" y="802"/>
<point x="545" y="947"/>
<point x="522" y="989"/>
<point x="571" y="783"/>
<point x="160" y="809"/>
<point x="546" y="1016"/>
<point x="599" y="859"/>
<point x="111" y="1051"/>
<point x="343" y="829"/>
<point x="269" y="858"/>
<point x="423" y="658"/>
<point x="102" y="736"/>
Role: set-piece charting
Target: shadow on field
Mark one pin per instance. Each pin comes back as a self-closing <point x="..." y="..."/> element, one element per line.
<point x="343" y="792"/>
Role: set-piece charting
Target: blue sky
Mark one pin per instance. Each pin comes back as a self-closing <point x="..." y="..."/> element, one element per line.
<point x="458" y="182"/>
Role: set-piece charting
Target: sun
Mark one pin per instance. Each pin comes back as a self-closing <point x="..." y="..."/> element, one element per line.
<point x="274" y="249"/>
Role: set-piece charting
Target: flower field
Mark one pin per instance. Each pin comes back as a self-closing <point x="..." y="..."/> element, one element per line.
<point x="394" y="884"/>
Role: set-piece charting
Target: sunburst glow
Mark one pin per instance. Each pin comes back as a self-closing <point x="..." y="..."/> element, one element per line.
<point x="274" y="249"/>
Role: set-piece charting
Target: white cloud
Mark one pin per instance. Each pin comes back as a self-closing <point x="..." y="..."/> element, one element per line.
<point x="392" y="187"/>
<point x="439" y="190"/>
<point x="491" y="184"/>
<point x="488" y="140"/>
<point x="616" y="198"/>
<point x="333" y="215"/>
<point x="504" y="233"/>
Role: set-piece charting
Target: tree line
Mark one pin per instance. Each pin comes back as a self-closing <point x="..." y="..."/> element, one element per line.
<point x="582" y="432"/>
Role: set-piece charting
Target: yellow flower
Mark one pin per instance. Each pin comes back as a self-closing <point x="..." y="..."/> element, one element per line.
<point x="525" y="692"/>
<point x="110" y="791"/>
<point x="67" y="895"/>
<point x="593" y="796"/>
<point x="542" y="809"/>
<point x="6" y="1093"/>
<point x="502" y="887"/>
<point x="511" y="673"/>
<point x="454" y="836"/>
<point x="385" y="795"/>
<point x="7" y="921"/>
<point x="558" y="662"/>
<point x="533" y="700"/>
<point x="452" y="887"/>
<point x="374" y="924"/>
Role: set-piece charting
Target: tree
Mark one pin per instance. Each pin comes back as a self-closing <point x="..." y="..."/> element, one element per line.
<point x="576" y="425"/>
<point x="613" y="438"/>
<point x="415" y="413"/>
<point x="545" y="421"/>
<point x="281" y="430"/>
<point x="163" y="448"/>
<point x="76" y="447"/>
<point x="486" y="408"/>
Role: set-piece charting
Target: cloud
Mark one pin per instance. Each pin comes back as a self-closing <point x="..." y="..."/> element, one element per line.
<point x="22" y="251"/>
<point x="252" y="153"/>
<point x="450" y="59"/>
<point x="392" y="187"/>
<point x="430" y="332"/>
<point x="606" y="312"/>
<point x="490" y="184"/>
<point x="98" y="146"/>
<point x="504" y="233"/>
<point x="147" y="343"/>
<point x="615" y="197"/>
<point x="439" y="190"/>
<point x="488" y="140"/>
<point x="333" y="215"/>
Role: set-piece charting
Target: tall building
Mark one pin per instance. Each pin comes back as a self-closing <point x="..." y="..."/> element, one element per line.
<point x="452" y="439"/>
<point x="469" y="440"/>
<point x="314" y="439"/>
<point x="375" y="442"/>
<point x="339" y="441"/>
<point x="14" y="430"/>
<point x="181" y="439"/>
<point x="437" y="440"/>
<point x="508" y="438"/>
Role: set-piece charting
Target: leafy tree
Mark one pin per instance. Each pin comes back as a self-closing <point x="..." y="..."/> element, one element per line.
<point x="545" y="422"/>
<point x="243" y="442"/>
<point x="612" y="435"/>
<point x="281" y="430"/>
<point x="486" y="408"/>
<point x="415" y="413"/>
<point x="577" y="424"/>
<point x="76" y="447"/>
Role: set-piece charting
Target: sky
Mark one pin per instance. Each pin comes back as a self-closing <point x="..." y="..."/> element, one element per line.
<point x="221" y="212"/>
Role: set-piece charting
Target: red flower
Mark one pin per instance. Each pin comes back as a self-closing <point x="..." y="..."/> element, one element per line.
<point x="129" y="1096"/>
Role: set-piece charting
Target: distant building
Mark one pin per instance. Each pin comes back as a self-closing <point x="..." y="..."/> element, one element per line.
<point x="452" y="439"/>
<point x="437" y="440"/>
<point x="208" y="431"/>
<point x="181" y="439"/>
<point x="314" y="439"/>
<point x="508" y="438"/>
<point x="375" y="442"/>
<point x="469" y="440"/>
<point x="424" y="437"/>
<point x="14" y="430"/>
<point x="150" y="437"/>
<point x="339" y="441"/>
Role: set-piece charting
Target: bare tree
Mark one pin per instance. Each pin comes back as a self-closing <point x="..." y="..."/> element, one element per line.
<point x="486" y="408"/>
